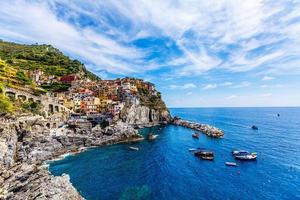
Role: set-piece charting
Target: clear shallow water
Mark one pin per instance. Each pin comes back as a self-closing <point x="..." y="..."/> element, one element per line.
<point x="165" y="169"/>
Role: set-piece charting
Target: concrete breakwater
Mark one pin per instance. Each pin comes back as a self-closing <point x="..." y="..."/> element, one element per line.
<point x="209" y="130"/>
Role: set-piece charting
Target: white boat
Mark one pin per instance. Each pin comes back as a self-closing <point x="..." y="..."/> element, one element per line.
<point x="151" y="136"/>
<point x="235" y="152"/>
<point x="134" y="148"/>
<point x="193" y="149"/>
<point x="246" y="156"/>
<point x="231" y="164"/>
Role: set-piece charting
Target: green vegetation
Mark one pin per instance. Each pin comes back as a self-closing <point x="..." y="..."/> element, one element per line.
<point x="33" y="107"/>
<point x="22" y="78"/>
<point x="45" y="57"/>
<point x="56" y="87"/>
<point x="152" y="101"/>
<point x="6" y="106"/>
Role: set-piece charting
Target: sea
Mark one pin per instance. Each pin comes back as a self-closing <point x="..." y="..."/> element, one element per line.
<point x="165" y="169"/>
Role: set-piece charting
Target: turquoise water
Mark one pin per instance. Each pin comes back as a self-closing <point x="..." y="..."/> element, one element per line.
<point x="165" y="169"/>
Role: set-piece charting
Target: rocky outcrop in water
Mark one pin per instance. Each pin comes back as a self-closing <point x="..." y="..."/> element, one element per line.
<point x="204" y="128"/>
<point x="26" y="144"/>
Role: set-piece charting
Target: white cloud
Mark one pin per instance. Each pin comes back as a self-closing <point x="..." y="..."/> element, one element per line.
<point x="36" y="22"/>
<point x="226" y="84"/>
<point x="209" y="86"/>
<point x="272" y="86"/>
<point x="231" y="97"/>
<point x="215" y="85"/>
<point x="242" y="84"/>
<point x="189" y="85"/>
<point x="185" y="86"/>
<point x="200" y="29"/>
<point x="267" y="78"/>
<point x="266" y="95"/>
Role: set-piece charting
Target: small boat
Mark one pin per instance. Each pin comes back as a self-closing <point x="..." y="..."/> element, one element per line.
<point x="245" y="156"/>
<point x="278" y="115"/>
<point x="151" y="136"/>
<point x="207" y="157"/>
<point x="195" y="135"/>
<point x="134" y="148"/>
<point x="254" y="127"/>
<point x="193" y="149"/>
<point x="235" y="152"/>
<point x="205" y="154"/>
<point x="231" y="164"/>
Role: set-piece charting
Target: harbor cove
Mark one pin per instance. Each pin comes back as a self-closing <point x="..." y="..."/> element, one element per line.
<point x="164" y="168"/>
<point x="149" y="100"/>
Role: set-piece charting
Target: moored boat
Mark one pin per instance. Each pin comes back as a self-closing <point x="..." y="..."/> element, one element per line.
<point x="195" y="135"/>
<point x="134" y="148"/>
<point x="233" y="164"/>
<point x="151" y="136"/>
<point x="204" y="154"/>
<point x="234" y="152"/>
<point x="245" y="156"/>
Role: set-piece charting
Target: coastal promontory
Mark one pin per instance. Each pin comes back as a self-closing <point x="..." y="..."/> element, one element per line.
<point x="51" y="105"/>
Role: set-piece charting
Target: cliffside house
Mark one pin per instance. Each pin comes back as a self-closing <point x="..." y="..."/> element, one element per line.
<point x="68" y="79"/>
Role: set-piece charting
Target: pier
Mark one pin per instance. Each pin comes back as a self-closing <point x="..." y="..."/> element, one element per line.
<point x="209" y="130"/>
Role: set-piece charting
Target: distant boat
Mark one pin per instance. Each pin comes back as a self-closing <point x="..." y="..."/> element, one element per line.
<point x="134" y="148"/>
<point x="254" y="127"/>
<point x="193" y="149"/>
<point x="195" y="135"/>
<point x="235" y="152"/>
<point x="205" y="154"/>
<point x="278" y="115"/>
<point x="244" y="155"/>
<point x="151" y="136"/>
<point x="231" y="164"/>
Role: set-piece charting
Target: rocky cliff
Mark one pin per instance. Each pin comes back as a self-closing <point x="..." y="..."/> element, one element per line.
<point x="26" y="144"/>
<point x="138" y="114"/>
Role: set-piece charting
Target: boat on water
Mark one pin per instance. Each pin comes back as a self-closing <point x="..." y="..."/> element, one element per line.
<point x="254" y="127"/>
<point x="195" y="135"/>
<point x="151" y="136"/>
<point x="244" y="155"/>
<point x="233" y="164"/>
<point x="134" y="148"/>
<point x="193" y="149"/>
<point x="235" y="152"/>
<point x="204" y="154"/>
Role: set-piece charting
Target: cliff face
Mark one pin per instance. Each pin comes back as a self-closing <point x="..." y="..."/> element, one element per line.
<point x="137" y="114"/>
<point x="27" y="143"/>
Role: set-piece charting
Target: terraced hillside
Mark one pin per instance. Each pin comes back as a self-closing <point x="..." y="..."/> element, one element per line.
<point x="45" y="57"/>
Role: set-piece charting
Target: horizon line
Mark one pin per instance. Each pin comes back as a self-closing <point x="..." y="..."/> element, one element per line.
<point x="239" y="107"/>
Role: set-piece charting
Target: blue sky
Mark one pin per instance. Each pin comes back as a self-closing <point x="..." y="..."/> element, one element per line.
<point x="199" y="53"/>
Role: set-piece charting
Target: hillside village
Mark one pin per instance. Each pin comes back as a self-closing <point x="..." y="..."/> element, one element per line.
<point x="37" y="83"/>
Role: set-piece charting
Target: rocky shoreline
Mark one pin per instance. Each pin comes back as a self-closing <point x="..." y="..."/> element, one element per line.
<point x="209" y="130"/>
<point x="26" y="145"/>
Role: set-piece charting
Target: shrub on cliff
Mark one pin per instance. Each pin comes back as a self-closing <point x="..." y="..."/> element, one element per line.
<point x="33" y="107"/>
<point x="6" y="105"/>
